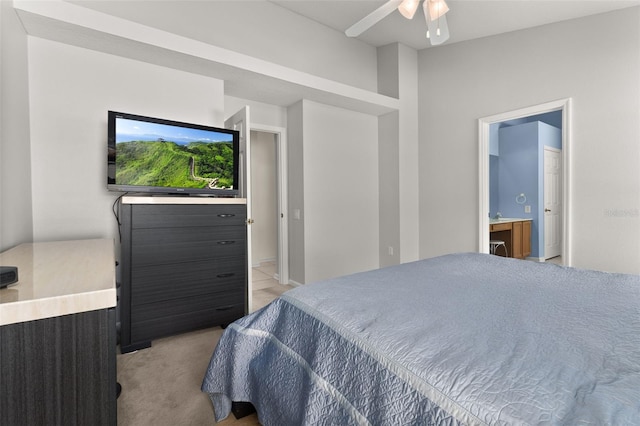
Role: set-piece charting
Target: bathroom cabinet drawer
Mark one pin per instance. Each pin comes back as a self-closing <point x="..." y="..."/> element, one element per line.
<point x="500" y="227"/>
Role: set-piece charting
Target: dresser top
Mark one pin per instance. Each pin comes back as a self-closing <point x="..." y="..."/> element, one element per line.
<point x="155" y="199"/>
<point x="58" y="278"/>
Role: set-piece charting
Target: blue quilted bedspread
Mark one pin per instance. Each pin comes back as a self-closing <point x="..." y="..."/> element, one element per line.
<point x="459" y="339"/>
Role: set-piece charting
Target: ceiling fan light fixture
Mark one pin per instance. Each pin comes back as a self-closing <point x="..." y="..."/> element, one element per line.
<point x="408" y="8"/>
<point x="437" y="28"/>
<point x="437" y="8"/>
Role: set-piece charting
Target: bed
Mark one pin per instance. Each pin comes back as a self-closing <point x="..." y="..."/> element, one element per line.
<point x="459" y="339"/>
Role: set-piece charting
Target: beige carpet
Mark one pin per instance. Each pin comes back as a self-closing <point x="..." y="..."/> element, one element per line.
<point x="161" y="384"/>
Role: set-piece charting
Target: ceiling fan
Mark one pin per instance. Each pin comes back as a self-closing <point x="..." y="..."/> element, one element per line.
<point x="434" y="13"/>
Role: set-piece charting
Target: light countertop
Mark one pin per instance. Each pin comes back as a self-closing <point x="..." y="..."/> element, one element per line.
<point x="58" y="278"/>
<point x="507" y="220"/>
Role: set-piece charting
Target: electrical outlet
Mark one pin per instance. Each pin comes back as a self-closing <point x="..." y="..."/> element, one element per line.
<point x="527" y="209"/>
<point x="390" y="251"/>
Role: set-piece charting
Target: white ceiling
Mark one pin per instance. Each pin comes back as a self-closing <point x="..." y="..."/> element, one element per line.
<point x="467" y="19"/>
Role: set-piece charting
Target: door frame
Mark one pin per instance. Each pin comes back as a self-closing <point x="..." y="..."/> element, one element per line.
<point x="280" y="135"/>
<point x="484" y="124"/>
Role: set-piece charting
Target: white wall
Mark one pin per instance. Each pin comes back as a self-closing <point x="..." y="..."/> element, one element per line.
<point x="389" y="158"/>
<point x="71" y="91"/>
<point x="398" y="159"/>
<point x="259" y="29"/>
<point x="408" y="188"/>
<point x="295" y="163"/>
<point x="600" y="71"/>
<point x="261" y="113"/>
<point x="341" y="216"/>
<point x="389" y="183"/>
<point x="16" y="226"/>
<point x="72" y="88"/>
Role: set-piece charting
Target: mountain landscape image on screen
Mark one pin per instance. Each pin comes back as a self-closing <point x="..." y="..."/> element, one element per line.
<point x="164" y="163"/>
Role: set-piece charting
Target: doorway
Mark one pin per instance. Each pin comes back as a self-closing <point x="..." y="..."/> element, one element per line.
<point x="241" y="122"/>
<point x="485" y="129"/>
<point x="519" y="179"/>
<point x="265" y="198"/>
<point x="268" y="186"/>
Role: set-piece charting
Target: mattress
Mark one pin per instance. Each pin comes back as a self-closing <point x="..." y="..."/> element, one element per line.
<point x="459" y="339"/>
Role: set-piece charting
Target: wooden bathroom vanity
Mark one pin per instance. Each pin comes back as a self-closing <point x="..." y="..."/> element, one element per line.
<point x="516" y="234"/>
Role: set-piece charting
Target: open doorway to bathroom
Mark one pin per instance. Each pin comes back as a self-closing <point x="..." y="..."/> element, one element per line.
<point x="524" y="173"/>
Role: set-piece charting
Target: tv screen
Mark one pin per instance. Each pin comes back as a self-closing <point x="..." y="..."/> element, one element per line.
<point x="154" y="155"/>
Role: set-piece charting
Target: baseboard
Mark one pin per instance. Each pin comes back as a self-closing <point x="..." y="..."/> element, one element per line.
<point x="295" y="283"/>
<point x="259" y="263"/>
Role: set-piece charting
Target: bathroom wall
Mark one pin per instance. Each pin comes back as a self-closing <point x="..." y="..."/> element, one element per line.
<point x="520" y="171"/>
<point x="553" y="119"/>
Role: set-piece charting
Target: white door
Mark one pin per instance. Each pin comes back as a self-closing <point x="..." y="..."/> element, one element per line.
<point x="552" y="202"/>
<point x="240" y="121"/>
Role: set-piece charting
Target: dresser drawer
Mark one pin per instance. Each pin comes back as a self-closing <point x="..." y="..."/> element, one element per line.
<point x="167" y="281"/>
<point x="186" y="305"/>
<point x="183" y="216"/>
<point x="165" y="326"/>
<point x="156" y="247"/>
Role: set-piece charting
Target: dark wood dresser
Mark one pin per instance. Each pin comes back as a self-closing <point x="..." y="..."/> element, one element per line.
<point x="183" y="265"/>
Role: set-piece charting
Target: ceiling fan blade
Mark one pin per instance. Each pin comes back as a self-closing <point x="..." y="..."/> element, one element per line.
<point x="373" y="18"/>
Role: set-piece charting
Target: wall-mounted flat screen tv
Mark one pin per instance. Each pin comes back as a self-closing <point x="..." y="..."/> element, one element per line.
<point x="154" y="155"/>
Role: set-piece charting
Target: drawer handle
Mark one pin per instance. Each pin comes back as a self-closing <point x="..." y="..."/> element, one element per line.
<point x="226" y="215"/>
<point x="225" y="308"/>
<point x="227" y="275"/>
<point x="225" y="242"/>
